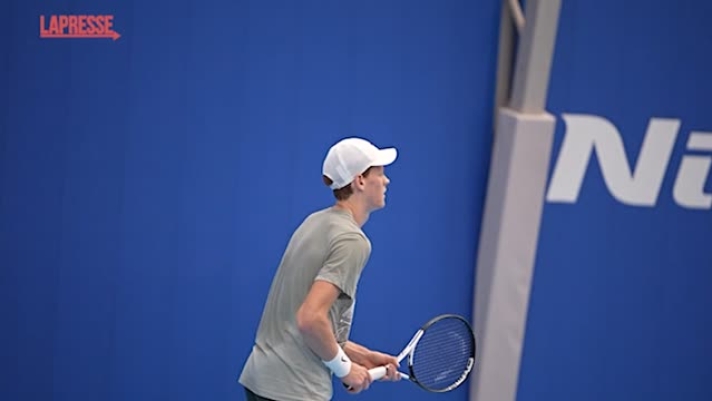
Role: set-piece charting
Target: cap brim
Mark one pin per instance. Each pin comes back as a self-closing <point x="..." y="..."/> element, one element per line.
<point x="385" y="157"/>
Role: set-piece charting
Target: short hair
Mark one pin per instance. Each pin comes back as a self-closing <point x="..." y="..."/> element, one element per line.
<point x="344" y="192"/>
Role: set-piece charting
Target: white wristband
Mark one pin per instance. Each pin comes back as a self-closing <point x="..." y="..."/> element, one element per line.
<point x="340" y="365"/>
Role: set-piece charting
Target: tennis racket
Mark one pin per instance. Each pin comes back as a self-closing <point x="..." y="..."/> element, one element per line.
<point x="441" y="354"/>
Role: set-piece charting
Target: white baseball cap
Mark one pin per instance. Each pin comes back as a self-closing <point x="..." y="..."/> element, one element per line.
<point x="352" y="156"/>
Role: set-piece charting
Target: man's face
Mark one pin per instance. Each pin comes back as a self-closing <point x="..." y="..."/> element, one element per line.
<point x="374" y="188"/>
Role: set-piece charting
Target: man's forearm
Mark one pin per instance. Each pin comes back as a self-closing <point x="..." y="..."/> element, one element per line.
<point x="319" y="337"/>
<point x="358" y="353"/>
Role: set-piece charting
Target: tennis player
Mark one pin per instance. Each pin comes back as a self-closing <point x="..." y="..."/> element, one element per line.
<point x="303" y="335"/>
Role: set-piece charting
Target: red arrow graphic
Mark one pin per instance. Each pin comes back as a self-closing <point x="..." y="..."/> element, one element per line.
<point x="110" y="35"/>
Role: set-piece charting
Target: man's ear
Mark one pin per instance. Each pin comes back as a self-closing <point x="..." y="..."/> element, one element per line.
<point x="360" y="181"/>
<point x="357" y="183"/>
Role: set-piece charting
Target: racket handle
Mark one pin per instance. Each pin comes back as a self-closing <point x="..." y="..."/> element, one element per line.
<point x="377" y="373"/>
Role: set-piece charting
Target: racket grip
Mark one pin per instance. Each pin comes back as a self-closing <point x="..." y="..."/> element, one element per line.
<point x="377" y="373"/>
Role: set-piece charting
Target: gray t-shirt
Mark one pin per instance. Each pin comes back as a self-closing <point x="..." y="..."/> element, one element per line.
<point x="330" y="246"/>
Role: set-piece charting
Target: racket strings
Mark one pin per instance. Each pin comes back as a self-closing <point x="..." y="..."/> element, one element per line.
<point x="443" y="354"/>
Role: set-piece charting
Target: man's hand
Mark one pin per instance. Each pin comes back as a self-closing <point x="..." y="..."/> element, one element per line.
<point x="372" y="359"/>
<point x="357" y="380"/>
<point x="390" y="362"/>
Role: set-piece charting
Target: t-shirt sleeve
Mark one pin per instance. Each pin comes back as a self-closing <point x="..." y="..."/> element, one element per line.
<point x="349" y="254"/>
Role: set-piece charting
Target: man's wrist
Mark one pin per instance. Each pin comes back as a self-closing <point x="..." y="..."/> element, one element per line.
<point x="340" y="365"/>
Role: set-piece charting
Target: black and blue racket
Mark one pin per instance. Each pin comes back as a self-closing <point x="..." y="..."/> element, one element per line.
<point x="441" y="354"/>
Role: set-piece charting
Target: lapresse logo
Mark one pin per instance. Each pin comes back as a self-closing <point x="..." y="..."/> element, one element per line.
<point x="639" y="185"/>
<point x="78" y="27"/>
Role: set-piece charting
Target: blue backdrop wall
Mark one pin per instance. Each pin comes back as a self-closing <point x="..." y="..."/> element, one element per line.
<point x="620" y="298"/>
<point x="148" y="185"/>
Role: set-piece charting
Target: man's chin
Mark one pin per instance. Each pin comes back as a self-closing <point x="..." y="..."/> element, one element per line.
<point x="380" y="205"/>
